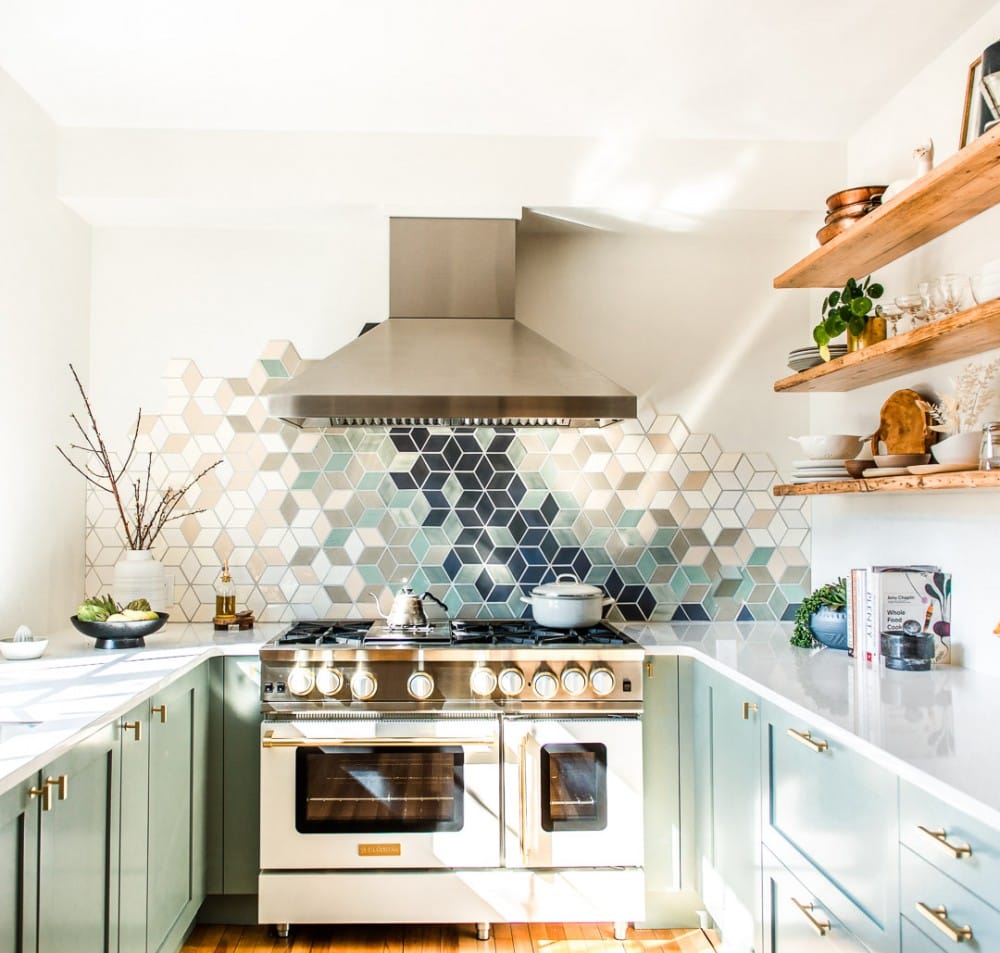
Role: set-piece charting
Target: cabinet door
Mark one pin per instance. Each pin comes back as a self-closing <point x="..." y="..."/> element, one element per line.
<point x="134" y="739"/>
<point x="241" y="776"/>
<point x="178" y="730"/>
<point x="727" y="766"/>
<point x="78" y="849"/>
<point x="18" y="867"/>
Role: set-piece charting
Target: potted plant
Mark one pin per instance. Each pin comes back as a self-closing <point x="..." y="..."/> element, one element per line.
<point x="851" y="310"/>
<point x="821" y="617"/>
<point x="958" y="415"/>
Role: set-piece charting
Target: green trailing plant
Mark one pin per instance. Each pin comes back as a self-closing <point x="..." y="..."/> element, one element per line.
<point x="831" y="596"/>
<point x="847" y="310"/>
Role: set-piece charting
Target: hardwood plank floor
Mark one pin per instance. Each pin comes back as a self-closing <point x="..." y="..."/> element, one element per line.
<point x="436" y="938"/>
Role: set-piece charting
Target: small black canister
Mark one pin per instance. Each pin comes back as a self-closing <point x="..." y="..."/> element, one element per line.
<point x="907" y="653"/>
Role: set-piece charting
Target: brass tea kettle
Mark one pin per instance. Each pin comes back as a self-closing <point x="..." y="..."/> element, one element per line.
<point x="407" y="610"/>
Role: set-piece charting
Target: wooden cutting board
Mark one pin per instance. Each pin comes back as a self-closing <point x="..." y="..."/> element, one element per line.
<point x="903" y="425"/>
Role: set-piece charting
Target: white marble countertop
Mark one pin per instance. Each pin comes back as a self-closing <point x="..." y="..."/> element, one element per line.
<point x="936" y="729"/>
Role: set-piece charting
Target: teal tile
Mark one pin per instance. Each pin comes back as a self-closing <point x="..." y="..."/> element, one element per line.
<point x="337" y="537"/>
<point x="305" y="480"/>
<point x="372" y="575"/>
<point x="338" y="462"/>
<point x="274" y="368"/>
<point x="630" y="518"/>
<point x="435" y="575"/>
<point x="647" y="565"/>
<point x="761" y="556"/>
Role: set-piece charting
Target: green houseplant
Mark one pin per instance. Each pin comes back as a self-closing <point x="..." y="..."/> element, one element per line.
<point x="832" y="596"/>
<point x="851" y="310"/>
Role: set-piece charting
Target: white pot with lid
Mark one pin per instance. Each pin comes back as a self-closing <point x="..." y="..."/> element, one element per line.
<point x="567" y="603"/>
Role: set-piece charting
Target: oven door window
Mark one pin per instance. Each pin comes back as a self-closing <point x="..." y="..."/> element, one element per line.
<point x="574" y="787"/>
<point x="379" y="790"/>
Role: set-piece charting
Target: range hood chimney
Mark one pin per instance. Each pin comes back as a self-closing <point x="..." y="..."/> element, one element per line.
<point x="451" y="352"/>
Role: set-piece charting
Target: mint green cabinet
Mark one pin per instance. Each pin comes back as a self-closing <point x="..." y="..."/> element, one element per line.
<point x="19" y="867"/>
<point x="78" y="840"/>
<point x="727" y="806"/>
<point x="164" y="809"/>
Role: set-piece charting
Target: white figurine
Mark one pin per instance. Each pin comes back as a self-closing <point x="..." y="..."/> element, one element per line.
<point x="924" y="154"/>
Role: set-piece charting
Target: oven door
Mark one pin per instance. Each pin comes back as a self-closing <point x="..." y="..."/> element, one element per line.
<point x="573" y="792"/>
<point x="380" y="792"/>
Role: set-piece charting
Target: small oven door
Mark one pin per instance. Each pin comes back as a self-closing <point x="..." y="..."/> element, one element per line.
<point x="380" y="792"/>
<point x="573" y="792"/>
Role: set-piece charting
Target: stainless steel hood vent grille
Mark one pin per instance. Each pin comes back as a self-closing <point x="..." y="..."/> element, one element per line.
<point x="450" y="353"/>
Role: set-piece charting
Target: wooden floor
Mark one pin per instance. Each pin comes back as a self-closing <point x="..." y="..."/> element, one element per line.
<point x="461" y="938"/>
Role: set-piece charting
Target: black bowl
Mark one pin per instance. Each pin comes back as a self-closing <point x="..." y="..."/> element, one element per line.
<point x="120" y="635"/>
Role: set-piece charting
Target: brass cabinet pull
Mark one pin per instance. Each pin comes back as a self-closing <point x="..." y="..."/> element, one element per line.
<point x="135" y="726"/>
<point x="162" y="711"/>
<point x="806" y="909"/>
<point x="61" y="784"/>
<point x="747" y="708"/>
<point x="941" y="836"/>
<point x="817" y="744"/>
<point x="939" y="917"/>
<point x="649" y="668"/>
<point x="45" y="793"/>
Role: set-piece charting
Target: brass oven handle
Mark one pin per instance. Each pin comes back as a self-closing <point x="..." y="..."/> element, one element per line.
<point x="804" y="737"/>
<point x="135" y="726"/>
<point x="523" y="801"/>
<point x="939" y="917"/>
<point x="941" y="836"/>
<point x="160" y="710"/>
<point x="270" y="741"/>
<point x="45" y="793"/>
<point x="806" y="909"/>
<point x="61" y="784"/>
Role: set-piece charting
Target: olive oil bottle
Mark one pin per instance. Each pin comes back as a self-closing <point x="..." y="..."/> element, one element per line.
<point x="225" y="597"/>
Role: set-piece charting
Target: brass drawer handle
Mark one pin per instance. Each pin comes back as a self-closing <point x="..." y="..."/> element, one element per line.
<point x="61" y="784"/>
<point x="806" y="909"/>
<point x="939" y="917"/>
<point x="162" y="711"/>
<point x="941" y="836"/>
<point x="135" y="726"/>
<point x="747" y="708"/>
<point x="817" y="744"/>
<point x="45" y="793"/>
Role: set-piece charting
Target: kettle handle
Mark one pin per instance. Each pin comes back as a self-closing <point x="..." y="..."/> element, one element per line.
<point x="434" y="598"/>
<point x="378" y="605"/>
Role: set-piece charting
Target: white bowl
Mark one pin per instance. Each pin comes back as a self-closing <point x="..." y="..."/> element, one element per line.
<point x="834" y="446"/>
<point x="901" y="459"/>
<point x="17" y="651"/>
<point x="985" y="286"/>
<point x="958" y="448"/>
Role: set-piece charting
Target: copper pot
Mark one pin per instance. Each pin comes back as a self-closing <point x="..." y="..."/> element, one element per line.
<point x="861" y="193"/>
<point x="854" y="210"/>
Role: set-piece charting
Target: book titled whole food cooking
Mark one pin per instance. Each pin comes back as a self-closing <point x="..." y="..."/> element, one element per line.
<point x="911" y="599"/>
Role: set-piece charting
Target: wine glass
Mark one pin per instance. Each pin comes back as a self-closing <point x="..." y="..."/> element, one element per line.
<point x="912" y="308"/>
<point x="948" y="291"/>
<point x="892" y="314"/>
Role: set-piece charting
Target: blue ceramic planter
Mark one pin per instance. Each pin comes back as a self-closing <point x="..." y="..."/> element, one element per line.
<point x="830" y="628"/>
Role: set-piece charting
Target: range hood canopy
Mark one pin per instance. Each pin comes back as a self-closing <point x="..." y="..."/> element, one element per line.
<point x="451" y="352"/>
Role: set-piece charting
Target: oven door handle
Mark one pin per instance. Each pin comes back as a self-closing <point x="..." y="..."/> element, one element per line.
<point x="530" y="795"/>
<point x="270" y="741"/>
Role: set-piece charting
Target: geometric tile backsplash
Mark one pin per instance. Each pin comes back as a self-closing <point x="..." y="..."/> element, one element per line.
<point x="319" y="524"/>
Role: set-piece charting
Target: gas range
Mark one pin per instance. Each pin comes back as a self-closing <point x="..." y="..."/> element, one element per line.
<point x="504" y="664"/>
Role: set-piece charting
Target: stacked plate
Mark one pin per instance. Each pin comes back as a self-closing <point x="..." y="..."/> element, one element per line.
<point x="803" y="358"/>
<point x="819" y="471"/>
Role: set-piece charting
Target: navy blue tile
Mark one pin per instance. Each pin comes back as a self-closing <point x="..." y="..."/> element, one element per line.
<point x="745" y="615"/>
<point x="403" y="440"/>
<point x="630" y="594"/>
<point x="630" y="612"/>
<point x="468" y="461"/>
<point x="516" y="489"/>
<point x="533" y="556"/>
<point x="696" y="612"/>
<point x="436" y="500"/>
<point x="468" y="517"/>
<point x="452" y="564"/>
<point x="435" y="462"/>
<point x="550" y="546"/>
<point x="613" y="585"/>
<point x="468" y="480"/>
<point x="565" y="555"/>
<point x="435" y="481"/>
<point x="484" y="471"/>
<point x="533" y="536"/>
<point x="532" y="576"/>
<point x="484" y="584"/>
<point x="468" y="555"/>
<point x="420" y="436"/>
<point x="512" y="559"/>
<point x="581" y="564"/>
<point x="404" y="481"/>
<point x="503" y="517"/>
<point x="500" y="462"/>
<point x="451" y="451"/>
<point x="436" y="442"/>
<point x="517" y="527"/>
<point x="468" y="537"/>
<point x="500" y="593"/>
<point x="789" y="614"/>
<point x="436" y="517"/>
<point x="550" y="509"/>
<point x="498" y="481"/>
<point x="419" y="470"/>
<point x="465" y="437"/>
<point x="484" y="548"/>
<point x="646" y="603"/>
<point x="680" y="614"/>
<point x="468" y="499"/>
<point x="500" y="442"/>
<point x="534" y="518"/>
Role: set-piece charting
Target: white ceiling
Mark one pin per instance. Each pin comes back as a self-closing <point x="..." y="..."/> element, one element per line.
<point x="770" y="69"/>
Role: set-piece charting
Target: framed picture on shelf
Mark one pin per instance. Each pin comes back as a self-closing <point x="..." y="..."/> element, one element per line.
<point x="973" y="103"/>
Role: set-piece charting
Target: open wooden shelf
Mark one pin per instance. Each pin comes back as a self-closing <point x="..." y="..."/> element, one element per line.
<point x="959" y="189"/>
<point x="959" y="335"/>
<point x="963" y="480"/>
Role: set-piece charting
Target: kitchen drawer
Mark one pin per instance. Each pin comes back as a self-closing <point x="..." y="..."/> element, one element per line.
<point x="979" y="869"/>
<point x="830" y="815"/>
<point x="913" y="941"/>
<point x="796" y="920"/>
<point x="923" y="883"/>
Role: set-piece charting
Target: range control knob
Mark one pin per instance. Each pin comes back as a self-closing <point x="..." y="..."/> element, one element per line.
<point x="420" y="685"/>
<point x="602" y="681"/>
<point x="300" y="681"/>
<point x="574" y="681"/>
<point x="545" y="684"/>
<point x="511" y="682"/>
<point x="329" y="681"/>
<point x="482" y="681"/>
<point x="363" y="685"/>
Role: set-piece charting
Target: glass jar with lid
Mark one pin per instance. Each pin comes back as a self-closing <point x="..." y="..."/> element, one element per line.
<point x="989" y="449"/>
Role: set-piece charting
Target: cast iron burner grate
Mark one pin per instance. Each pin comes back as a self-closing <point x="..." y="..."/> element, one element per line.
<point x="324" y="633"/>
<point x="525" y="632"/>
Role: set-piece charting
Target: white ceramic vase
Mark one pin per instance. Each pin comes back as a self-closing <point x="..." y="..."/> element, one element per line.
<point x="958" y="448"/>
<point x="139" y="576"/>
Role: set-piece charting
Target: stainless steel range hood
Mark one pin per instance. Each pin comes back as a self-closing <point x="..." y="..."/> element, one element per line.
<point x="451" y="352"/>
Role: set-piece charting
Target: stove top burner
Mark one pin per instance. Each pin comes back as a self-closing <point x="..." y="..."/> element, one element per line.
<point x="460" y="632"/>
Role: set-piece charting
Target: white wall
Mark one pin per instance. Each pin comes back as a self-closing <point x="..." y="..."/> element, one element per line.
<point x="44" y="303"/>
<point x="959" y="531"/>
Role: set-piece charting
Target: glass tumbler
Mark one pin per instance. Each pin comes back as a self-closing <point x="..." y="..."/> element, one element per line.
<point x="948" y="291"/>
<point x="989" y="450"/>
